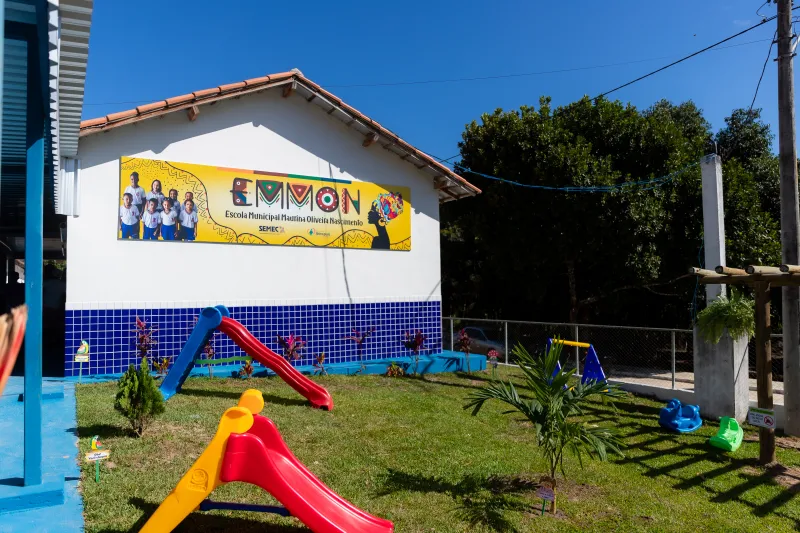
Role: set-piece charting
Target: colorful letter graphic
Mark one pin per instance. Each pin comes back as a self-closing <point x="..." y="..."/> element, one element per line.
<point x="268" y="191"/>
<point x="300" y="194"/>
<point x="239" y="192"/>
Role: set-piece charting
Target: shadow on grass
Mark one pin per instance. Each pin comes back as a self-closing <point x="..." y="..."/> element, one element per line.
<point x="280" y="400"/>
<point x="211" y="393"/>
<point x="205" y="522"/>
<point x="479" y="500"/>
<point x="104" y="431"/>
<point x="690" y="451"/>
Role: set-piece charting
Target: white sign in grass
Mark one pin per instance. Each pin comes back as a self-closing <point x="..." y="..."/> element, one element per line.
<point x="764" y="418"/>
<point x="97" y="455"/>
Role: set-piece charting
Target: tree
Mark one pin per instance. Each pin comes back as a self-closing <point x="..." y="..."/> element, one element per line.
<point x="552" y="409"/>
<point x="603" y="257"/>
<point x="138" y="398"/>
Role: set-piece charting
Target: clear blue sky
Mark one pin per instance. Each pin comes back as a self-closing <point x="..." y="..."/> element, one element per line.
<point x="149" y="50"/>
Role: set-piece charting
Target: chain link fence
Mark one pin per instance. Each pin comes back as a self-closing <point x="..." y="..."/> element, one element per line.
<point x="777" y="357"/>
<point x="647" y="356"/>
<point x="650" y="356"/>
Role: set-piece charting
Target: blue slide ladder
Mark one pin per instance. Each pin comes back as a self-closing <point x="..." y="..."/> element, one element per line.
<point x="209" y="320"/>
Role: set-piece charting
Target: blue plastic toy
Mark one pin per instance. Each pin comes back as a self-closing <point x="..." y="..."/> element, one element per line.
<point x="680" y="418"/>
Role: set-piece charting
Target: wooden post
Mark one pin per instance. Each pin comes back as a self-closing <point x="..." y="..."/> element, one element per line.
<point x="766" y="437"/>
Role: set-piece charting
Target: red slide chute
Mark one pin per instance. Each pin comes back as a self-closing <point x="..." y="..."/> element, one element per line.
<point x="318" y="396"/>
<point x="262" y="458"/>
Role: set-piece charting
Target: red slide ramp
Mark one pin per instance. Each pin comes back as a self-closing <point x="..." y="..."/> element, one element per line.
<point x="261" y="457"/>
<point x="317" y="395"/>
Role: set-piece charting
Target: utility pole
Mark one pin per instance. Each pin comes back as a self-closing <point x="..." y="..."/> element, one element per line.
<point x="790" y="216"/>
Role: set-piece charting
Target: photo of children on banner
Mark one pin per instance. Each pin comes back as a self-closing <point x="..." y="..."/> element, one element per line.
<point x="160" y="216"/>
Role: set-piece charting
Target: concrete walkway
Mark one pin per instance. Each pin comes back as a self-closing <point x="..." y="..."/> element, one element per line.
<point x="60" y="458"/>
<point x="683" y="381"/>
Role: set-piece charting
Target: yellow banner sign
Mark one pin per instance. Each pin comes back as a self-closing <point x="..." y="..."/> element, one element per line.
<point x="164" y="200"/>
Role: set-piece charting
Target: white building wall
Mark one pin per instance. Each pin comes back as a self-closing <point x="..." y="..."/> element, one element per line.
<point x="261" y="132"/>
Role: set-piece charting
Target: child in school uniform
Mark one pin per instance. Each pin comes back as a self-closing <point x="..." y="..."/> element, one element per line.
<point x="173" y="195"/>
<point x="176" y="204"/>
<point x="187" y="196"/>
<point x="137" y="193"/>
<point x="128" y="218"/>
<point x="155" y="193"/>
<point x="151" y="220"/>
<point x="188" y="221"/>
<point x="168" y="219"/>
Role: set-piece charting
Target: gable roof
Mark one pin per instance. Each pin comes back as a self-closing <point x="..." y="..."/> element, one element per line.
<point x="450" y="185"/>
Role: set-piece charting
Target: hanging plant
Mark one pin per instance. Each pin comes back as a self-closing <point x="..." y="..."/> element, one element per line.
<point x="736" y="314"/>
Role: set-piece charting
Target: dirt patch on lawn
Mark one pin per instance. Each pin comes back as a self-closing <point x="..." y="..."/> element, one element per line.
<point x="576" y="492"/>
<point x="787" y="443"/>
<point x="787" y="477"/>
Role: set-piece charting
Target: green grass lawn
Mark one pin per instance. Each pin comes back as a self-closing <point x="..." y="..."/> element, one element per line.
<point x="404" y="449"/>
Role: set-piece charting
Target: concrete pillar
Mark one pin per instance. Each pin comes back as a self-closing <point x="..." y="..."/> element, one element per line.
<point x="721" y="386"/>
<point x="721" y="383"/>
<point x="713" y="220"/>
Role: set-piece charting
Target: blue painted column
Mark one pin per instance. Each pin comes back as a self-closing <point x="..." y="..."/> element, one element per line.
<point x="34" y="259"/>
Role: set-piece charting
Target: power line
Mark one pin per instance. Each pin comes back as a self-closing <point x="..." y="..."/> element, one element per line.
<point x="763" y="69"/>
<point x="519" y="75"/>
<point x="681" y="60"/>
<point x="478" y="78"/>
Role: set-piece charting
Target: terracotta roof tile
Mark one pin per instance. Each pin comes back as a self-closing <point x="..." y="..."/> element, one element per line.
<point x="122" y="114"/>
<point x="282" y="75"/>
<point x="150" y="107"/>
<point x="256" y="81"/>
<point x="232" y="86"/>
<point x="175" y="100"/>
<point x="213" y="94"/>
<point x="206" y="92"/>
<point x="93" y="122"/>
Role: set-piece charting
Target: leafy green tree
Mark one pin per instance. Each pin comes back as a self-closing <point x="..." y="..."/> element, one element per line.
<point x="138" y="398"/>
<point x="552" y="410"/>
<point x="600" y="257"/>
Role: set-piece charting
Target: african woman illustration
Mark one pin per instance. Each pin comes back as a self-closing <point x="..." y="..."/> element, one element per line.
<point x="384" y="209"/>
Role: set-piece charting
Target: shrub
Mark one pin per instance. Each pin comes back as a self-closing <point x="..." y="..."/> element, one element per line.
<point x="464" y="344"/>
<point x="320" y="365"/>
<point x="247" y="369"/>
<point x="161" y="367"/>
<point x="736" y="314"/>
<point x="395" y="371"/>
<point x="415" y="343"/>
<point x="138" y="398"/>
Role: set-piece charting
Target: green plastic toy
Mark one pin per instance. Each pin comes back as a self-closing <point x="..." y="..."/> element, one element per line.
<point x="730" y="434"/>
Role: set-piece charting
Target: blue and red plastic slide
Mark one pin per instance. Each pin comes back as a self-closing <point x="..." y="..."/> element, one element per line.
<point x="218" y="318"/>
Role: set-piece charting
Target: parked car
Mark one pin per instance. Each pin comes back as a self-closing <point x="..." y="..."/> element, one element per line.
<point x="481" y="344"/>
